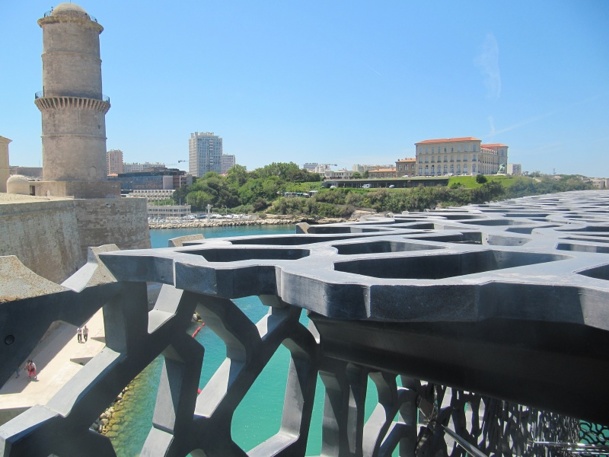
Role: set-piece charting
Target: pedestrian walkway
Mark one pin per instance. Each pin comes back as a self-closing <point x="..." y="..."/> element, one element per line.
<point x="58" y="357"/>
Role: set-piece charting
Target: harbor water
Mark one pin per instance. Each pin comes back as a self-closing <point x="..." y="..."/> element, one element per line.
<point x="258" y="416"/>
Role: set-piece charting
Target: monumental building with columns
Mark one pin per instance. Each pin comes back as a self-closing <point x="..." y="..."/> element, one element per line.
<point x="460" y="156"/>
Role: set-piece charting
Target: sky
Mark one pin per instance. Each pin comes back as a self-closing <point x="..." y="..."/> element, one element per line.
<point x="334" y="81"/>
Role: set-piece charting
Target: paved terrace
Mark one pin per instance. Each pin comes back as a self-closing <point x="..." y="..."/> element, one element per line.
<point x="489" y="323"/>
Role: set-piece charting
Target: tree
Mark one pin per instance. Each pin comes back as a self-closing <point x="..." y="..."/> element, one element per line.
<point x="481" y="179"/>
<point x="212" y="189"/>
<point x="179" y="195"/>
<point x="237" y="175"/>
<point x="285" y="171"/>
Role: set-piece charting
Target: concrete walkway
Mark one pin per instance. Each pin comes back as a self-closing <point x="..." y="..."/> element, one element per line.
<point x="58" y="357"/>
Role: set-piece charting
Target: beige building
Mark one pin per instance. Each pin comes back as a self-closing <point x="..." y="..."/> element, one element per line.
<point x="459" y="156"/>
<point x="406" y="167"/>
<point x="514" y="169"/>
<point x="115" y="161"/>
<point x="382" y="172"/>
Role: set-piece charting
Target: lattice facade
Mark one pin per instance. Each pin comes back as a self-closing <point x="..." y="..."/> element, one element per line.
<point x="507" y="300"/>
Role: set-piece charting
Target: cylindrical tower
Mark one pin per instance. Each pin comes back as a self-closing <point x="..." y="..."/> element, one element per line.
<point x="71" y="102"/>
<point x="4" y="163"/>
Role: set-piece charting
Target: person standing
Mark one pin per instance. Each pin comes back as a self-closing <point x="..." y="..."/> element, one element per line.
<point x="31" y="370"/>
<point x="79" y="334"/>
<point x="85" y="333"/>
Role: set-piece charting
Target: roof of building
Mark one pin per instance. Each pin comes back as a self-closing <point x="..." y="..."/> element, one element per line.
<point x="407" y="159"/>
<point x="494" y="145"/>
<point x="382" y="170"/>
<point x="69" y="8"/>
<point x="448" y="140"/>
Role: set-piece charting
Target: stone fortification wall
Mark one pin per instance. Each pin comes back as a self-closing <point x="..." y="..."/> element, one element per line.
<point x="76" y="189"/>
<point x="118" y="221"/>
<point x="43" y="234"/>
<point x="51" y="237"/>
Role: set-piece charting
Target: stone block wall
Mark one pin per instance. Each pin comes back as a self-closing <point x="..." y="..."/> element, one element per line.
<point x="123" y="222"/>
<point x="51" y="237"/>
<point x="44" y="235"/>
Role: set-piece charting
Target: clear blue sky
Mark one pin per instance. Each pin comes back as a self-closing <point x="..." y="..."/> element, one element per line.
<point x="338" y="81"/>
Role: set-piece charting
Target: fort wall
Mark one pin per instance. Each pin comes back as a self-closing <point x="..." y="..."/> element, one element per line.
<point x="119" y="221"/>
<point x="51" y="236"/>
<point x="42" y="234"/>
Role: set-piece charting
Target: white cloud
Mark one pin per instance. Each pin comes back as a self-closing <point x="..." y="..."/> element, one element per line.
<point x="488" y="63"/>
<point x="491" y="122"/>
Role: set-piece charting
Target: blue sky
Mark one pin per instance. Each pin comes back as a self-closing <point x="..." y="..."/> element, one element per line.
<point x="332" y="81"/>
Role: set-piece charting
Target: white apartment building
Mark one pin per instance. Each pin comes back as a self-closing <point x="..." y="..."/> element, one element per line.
<point x="204" y="153"/>
<point x="136" y="167"/>
<point x="168" y="211"/>
<point x="227" y="162"/>
<point x="459" y="156"/>
<point x="152" y="195"/>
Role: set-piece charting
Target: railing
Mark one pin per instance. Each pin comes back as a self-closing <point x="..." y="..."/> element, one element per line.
<point x="507" y="300"/>
<point x="103" y="98"/>
<point x="50" y="12"/>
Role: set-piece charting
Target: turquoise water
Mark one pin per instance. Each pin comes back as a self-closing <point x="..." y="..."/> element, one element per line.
<point x="259" y="414"/>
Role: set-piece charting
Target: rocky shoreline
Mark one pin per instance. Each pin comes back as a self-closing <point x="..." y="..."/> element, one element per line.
<point x="204" y="223"/>
<point x="103" y="424"/>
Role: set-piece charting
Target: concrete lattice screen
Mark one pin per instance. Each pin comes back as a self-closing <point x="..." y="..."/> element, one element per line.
<point x="508" y="304"/>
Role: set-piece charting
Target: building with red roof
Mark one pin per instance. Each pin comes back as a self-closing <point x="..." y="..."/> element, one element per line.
<point x="460" y="156"/>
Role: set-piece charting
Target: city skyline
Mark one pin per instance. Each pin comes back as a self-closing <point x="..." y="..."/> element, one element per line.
<point x="316" y="82"/>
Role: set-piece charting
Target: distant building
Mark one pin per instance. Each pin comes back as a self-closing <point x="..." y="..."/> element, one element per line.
<point x="501" y="151"/>
<point x="336" y="174"/>
<point x="168" y="211"/>
<point x="30" y="172"/>
<point x="204" y="153"/>
<point x="152" y="195"/>
<point x="115" y="161"/>
<point x="168" y="179"/>
<point x="514" y="169"/>
<point x="367" y="168"/>
<point x="382" y="172"/>
<point x="406" y="167"/>
<point x="600" y="183"/>
<point x="323" y="169"/>
<point x="227" y="162"/>
<point x="136" y="167"/>
<point x="310" y="166"/>
<point x="459" y="156"/>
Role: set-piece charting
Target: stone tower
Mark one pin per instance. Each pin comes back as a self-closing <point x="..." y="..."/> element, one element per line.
<point x="4" y="163"/>
<point x="73" y="107"/>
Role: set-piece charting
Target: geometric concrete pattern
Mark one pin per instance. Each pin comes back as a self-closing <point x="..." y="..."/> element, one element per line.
<point x="484" y="328"/>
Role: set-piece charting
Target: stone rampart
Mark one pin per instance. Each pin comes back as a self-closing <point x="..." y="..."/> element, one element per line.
<point x="119" y="221"/>
<point x="43" y="234"/>
<point x="51" y="236"/>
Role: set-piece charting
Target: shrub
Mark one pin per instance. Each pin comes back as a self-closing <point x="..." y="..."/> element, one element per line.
<point x="481" y="179"/>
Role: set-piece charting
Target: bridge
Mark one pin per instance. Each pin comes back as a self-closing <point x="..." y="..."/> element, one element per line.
<point x="485" y="330"/>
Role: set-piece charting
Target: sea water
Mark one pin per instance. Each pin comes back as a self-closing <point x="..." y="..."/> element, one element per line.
<point x="258" y="416"/>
